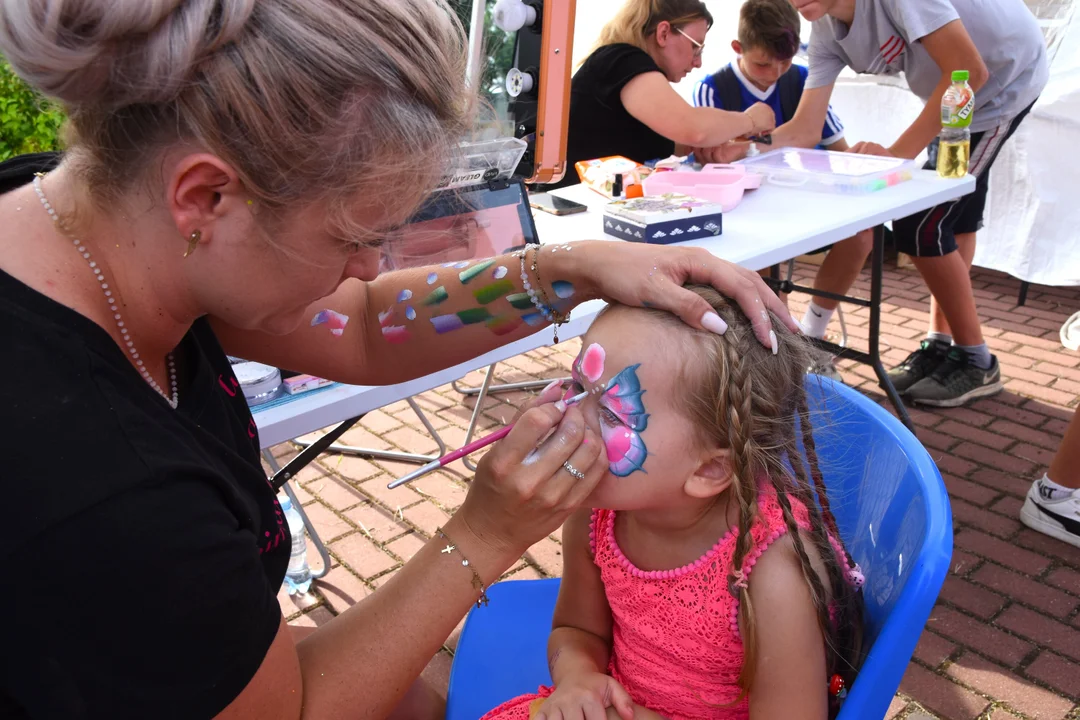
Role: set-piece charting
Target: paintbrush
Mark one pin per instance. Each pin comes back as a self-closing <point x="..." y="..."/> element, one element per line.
<point x="470" y="448"/>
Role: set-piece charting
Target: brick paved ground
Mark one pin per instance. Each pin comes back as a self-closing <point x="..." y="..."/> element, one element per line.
<point x="1004" y="640"/>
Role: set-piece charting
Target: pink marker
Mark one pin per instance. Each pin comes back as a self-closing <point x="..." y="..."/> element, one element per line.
<point x="470" y="448"/>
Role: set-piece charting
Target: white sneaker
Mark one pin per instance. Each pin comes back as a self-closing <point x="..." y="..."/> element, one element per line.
<point x="1058" y="518"/>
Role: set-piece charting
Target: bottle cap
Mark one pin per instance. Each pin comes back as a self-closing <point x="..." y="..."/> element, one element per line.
<point x="284" y="502"/>
<point x="960" y="76"/>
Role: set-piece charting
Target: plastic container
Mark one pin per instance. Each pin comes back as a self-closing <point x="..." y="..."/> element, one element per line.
<point x="298" y="576"/>
<point x="957" y="111"/>
<point x="717" y="183"/>
<point x="260" y="383"/>
<point x="827" y="171"/>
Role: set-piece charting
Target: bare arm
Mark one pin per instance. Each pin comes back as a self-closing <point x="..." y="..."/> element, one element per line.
<point x="804" y="130"/>
<point x="789" y="677"/>
<point x="952" y="49"/>
<point x="362" y="663"/>
<point x="650" y="98"/>
<point x="581" y="628"/>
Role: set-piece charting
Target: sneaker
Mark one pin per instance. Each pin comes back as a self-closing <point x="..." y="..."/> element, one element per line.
<point x="824" y="364"/>
<point x="919" y="364"/>
<point x="956" y="381"/>
<point x="1059" y="518"/>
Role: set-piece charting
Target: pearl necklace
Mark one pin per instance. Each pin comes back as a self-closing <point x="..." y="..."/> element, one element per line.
<point x="175" y="399"/>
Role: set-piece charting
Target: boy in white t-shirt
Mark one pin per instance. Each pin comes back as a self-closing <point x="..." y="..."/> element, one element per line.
<point x="999" y="42"/>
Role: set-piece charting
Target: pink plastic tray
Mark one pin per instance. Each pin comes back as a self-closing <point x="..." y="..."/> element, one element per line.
<point x="721" y="184"/>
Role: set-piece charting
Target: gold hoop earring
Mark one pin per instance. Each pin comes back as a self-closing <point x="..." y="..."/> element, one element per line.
<point x="193" y="242"/>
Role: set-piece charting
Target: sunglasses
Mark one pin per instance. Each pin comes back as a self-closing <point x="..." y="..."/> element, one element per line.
<point x="700" y="47"/>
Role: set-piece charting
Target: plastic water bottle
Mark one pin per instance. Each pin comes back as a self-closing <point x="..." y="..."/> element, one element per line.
<point x="954" y="143"/>
<point x="298" y="576"/>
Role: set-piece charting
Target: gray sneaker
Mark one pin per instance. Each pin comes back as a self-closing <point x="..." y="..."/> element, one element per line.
<point x="824" y="364"/>
<point x="956" y="381"/>
<point x="919" y="364"/>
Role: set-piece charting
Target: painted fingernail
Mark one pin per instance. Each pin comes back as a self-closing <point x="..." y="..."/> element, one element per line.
<point x="561" y="406"/>
<point x="550" y="386"/>
<point x="773" y="341"/>
<point x="713" y="323"/>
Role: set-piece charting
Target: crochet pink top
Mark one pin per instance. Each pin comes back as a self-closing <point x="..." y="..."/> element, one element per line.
<point x="676" y="646"/>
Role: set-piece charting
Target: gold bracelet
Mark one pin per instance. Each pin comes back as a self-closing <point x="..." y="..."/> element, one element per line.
<point x="556" y="317"/>
<point x="477" y="581"/>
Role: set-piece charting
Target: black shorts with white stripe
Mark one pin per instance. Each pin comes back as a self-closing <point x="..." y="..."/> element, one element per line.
<point x="932" y="233"/>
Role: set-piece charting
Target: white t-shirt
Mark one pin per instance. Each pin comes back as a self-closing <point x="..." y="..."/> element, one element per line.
<point x="884" y="40"/>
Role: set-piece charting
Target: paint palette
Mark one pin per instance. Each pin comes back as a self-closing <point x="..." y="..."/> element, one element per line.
<point x="828" y="171"/>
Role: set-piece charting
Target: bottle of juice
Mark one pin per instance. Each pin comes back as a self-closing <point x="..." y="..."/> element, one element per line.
<point x="954" y="143"/>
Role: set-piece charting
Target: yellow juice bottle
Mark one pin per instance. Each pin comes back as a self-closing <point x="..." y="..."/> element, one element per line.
<point x="954" y="143"/>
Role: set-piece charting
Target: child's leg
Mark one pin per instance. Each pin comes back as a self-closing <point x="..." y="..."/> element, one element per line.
<point x="767" y="273"/>
<point x="1052" y="505"/>
<point x="1065" y="467"/>
<point x="837" y="274"/>
<point x="965" y="245"/>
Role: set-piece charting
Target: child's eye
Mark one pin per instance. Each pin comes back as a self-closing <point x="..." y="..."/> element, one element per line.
<point x="609" y="418"/>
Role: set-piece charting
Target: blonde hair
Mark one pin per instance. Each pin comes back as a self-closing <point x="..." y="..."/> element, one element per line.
<point x="637" y="20"/>
<point x="754" y="404"/>
<point x="307" y="100"/>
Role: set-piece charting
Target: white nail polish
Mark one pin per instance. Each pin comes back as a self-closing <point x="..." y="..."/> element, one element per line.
<point x="549" y="386"/>
<point x="561" y="406"/>
<point x="714" y="323"/>
<point x="775" y="344"/>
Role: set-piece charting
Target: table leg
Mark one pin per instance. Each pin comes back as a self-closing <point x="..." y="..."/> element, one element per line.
<point x="877" y="262"/>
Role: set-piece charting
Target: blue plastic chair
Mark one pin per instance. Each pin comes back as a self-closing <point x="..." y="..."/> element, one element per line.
<point x="894" y="515"/>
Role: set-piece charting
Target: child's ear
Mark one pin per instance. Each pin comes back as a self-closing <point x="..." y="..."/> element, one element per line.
<point x="737" y="47"/>
<point x="712" y="477"/>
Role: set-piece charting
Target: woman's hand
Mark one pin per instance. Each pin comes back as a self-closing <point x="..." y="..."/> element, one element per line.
<point x="871" y="148"/>
<point x="522" y="491"/>
<point x="763" y="117"/>
<point x="592" y="696"/>
<point x="645" y="275"/>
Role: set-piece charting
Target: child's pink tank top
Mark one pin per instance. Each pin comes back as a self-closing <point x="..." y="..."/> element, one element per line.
<point x="676" y="643"/>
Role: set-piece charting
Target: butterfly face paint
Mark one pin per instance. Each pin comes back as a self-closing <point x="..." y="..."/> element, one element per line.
<point x="622" y="420"/>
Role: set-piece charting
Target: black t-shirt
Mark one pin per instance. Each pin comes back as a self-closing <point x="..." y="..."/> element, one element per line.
<point x="599" y="124"/>
<point x="143" y="547"/>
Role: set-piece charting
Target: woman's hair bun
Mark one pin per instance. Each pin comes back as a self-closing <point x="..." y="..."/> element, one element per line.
<point x="113" y="53"/>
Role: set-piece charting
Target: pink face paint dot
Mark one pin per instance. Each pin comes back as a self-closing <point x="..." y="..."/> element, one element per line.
<point x="592" y="362"/>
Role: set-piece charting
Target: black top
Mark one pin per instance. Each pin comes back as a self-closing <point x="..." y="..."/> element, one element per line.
<point x="599" y="124"/>
<point x="143" y="547"/>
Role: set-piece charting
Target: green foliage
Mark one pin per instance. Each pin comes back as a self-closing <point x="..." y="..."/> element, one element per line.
<point x="28" y="122"/>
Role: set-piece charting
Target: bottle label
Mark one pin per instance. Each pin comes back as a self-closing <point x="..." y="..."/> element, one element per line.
<point x="957" y="106"/>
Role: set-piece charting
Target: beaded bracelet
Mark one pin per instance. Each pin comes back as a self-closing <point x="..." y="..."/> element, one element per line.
<point x="477" y="581"/>
<point x="540" y="300"/>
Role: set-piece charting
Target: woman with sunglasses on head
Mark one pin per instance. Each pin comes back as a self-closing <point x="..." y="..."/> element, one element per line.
<point x="621" y="99"/>
<point x="231" y="168"/>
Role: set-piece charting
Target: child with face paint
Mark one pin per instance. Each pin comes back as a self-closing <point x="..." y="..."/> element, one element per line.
<point x="709" y="580"/>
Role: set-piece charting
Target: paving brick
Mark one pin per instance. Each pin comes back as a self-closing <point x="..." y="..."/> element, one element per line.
<point x="440" y="487"/>
<point x="933" y="649"/>
<point x="1000" y="714"/>
<point x="940" y="695"/>
<point x="1066" y="579"/>
<point x="974" y="493"/>
<point x="896" y="708"/>
<point x="426" y="517"/>
<point x="950" y="463"/>
<point x="341" y="589"/>
<point x="977" y="635"/>
<point x="1048" y="356"/>
<point x="1020" y="694"/>
<point x="406" y="546"/>
<point x="1039" y="392"/>
<point x="1037" y="455"/>
<point x="993" y="458"/>
<point x="1047" y="545"/>
<point x="1007" y="505"/>
<point x="437" y="672"/>
<point x="362" y="556"/>
<point x="358" y="436"/>
<point x="1057" y="672"/>
<point x="1030" y="376"/>
<point x="314" y="618"/>
<point x="402" y="496"/>
<point x="327" y="523"/>
<point x="335" y="493"/>
<point x="1024" y="589"/>
<point x="1007" y="482"/>
<point x="293" y="605"/>
<point x="1001" y="552"/>
<point x="378" y="524"/>
<point x="525" y="572"/>
<point x="967" y="415"/>
<point x="963" y="563"/>
<point x="1068" y="386"/>
<point x="379" y="422"/>
<point x="1043" y="630"/>
<point x="984" y="520"/>
<point x="1056" y="370"/>
<point x="351" y="468"/>
<point x="547" y="555"/>
<point x="974" y="434"/>
<point x="412" y="440"/>
<point x="974" y="599"/>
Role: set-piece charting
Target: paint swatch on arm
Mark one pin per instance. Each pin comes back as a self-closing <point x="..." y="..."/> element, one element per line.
<point x="335" y="320"/>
